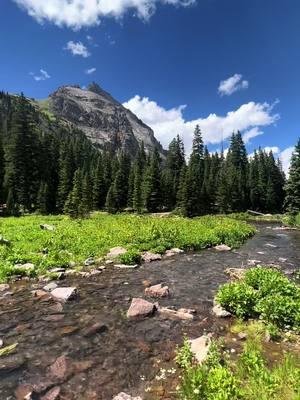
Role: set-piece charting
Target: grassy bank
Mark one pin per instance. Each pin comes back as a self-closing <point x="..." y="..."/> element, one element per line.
<point x="267" y="365"/>
<point x="76" y="240"/>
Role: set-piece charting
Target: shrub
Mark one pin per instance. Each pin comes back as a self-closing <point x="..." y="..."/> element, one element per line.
<point x="266" y="293"/>
<point x="238" y="298"/>
<point x="184" y="356"/>
<point x="130" y="257"/>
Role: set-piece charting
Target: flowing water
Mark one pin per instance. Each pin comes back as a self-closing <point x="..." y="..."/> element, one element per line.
<point x="128" y="354"/>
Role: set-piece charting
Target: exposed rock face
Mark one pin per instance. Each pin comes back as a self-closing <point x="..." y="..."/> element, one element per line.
<point x="103" y="119"/>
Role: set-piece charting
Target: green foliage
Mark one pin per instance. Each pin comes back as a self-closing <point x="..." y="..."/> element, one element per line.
<point x="238" y="298"/>
<point x="248" y="377"/>
<point x="76" y="240"/>
<point x="184" y="356"/>
<point x="266" y="293"/>
<point x="292" y="201"/>
<point x="131" y="257"/>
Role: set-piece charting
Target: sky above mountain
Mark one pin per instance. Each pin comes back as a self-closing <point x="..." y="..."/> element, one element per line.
<point x="226" y="65"/>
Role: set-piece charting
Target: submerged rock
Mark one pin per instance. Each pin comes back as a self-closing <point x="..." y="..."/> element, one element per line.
<point x="62" y="368"/>
<point x="3" y="287"/>
<point x="24" y="392"/>
<point x="222" y="247"/>
<point x="12" y="363"/>
<point x="157" y="291"/>
<point x="52" y="394"/>
<point x="65" y="293"/>
<point x="200" y="347"/>
<point x="124" y="396"/>
<point x="116" y="252"/>
<point x="149" y="257"/>
<point x="252" y="263"/>
<point x="140" y="308"/>
<point x="98" y="327"/>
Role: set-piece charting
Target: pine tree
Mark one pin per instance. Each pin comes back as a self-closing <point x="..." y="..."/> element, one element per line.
<point x="86" y="202"/>
<point x="193" y="202"/>
<point x="138" y="168"/>
<point x="152" y="184"/>
<point x="2" y="168"/>
<point x="73" y="202"/>
<point x="42" y="199"/>
<point x="22" y="157"/>
<point x="98" y="190"/>
<point x="292" y="201"/>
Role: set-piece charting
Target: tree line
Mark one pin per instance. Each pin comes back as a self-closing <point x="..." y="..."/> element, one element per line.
<point x="48" y="166"/>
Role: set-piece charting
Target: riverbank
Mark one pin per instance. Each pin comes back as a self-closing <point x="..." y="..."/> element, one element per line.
<point x="38" y="245"/>
<point x="101" y="352"/>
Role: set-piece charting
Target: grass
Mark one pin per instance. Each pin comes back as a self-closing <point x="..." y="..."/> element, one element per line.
<point x="76" y="240"/>
<point x="248" y="376"/>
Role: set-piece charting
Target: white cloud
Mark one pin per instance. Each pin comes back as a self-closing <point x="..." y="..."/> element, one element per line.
<point x="251" y="133"/>
<point x="273" y="149"/>
<point x="82" y="13"/>
<point x="285" y="157"/>
<point x="42" y="76"/>
<point x="168" y="123"/>
<point x="232" y="84"/>
<point x="90" y="71"/>
<point x="77" y="49"/>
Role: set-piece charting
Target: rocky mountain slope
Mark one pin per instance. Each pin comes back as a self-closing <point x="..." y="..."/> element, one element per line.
<point x="103" y="119"/>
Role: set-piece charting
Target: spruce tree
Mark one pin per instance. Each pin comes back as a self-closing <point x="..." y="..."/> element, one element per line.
<point x="193" y="202"/>
<point x="73" y="202"/>
<point x="152" y="184"/>
<point x="292" y="201"/>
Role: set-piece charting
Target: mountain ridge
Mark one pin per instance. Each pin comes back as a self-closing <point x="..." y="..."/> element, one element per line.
<point x="103" y="119"/>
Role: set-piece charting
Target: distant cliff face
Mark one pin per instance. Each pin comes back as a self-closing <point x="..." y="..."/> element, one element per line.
<point x="103" y="119"/>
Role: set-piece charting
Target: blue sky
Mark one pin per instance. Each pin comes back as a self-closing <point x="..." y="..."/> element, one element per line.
<point x="225" y="64"/>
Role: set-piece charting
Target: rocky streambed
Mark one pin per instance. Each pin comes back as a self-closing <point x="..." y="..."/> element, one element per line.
<point x="87" y="348"/>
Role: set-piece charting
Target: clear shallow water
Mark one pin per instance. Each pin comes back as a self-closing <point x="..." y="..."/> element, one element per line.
<point x="127" y="351"/>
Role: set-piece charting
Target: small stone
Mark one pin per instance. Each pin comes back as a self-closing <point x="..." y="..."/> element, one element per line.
<point x="95" y="272"/>
<point x="57" y="270"/>
<point x="252" y="263"/>
<point x="273" y="246"/>
<point x="64" y="293"/>
<point x="222" y="247"/>
<point x="220" y="312"/>
<point x="109" y="262"/>
<point x="242" y="335"/>
<point x="116" y="252"/>
<point x="40" y="293"/>
<point x="3" y="287"/>
<point x="26" y="266"/>
<point x="281" y="259"/>
<point x="69" y="330"/>
<point x="52" y="394"/>
<point x="24" y="392"/>
<point x="157" y="291"/>
<point x="140" y="308"/>
<point x="98" y="327"/>
<point x="200" y="347"/>
<point x="148" y="257"/>
<point x="61" y="368"/>
<point x="56" y="308"/>
<point x="70" y="272"/>
<point x="47" y="227"/>
<point x="51" y="286"/>
<point x="124" y="396"/>
<point x="235" y="273"/>
<point x="173" y="252"/>
<point x="125" y="266"/>
<point x="1" y="343"/>
<point x="89" y="261"/>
